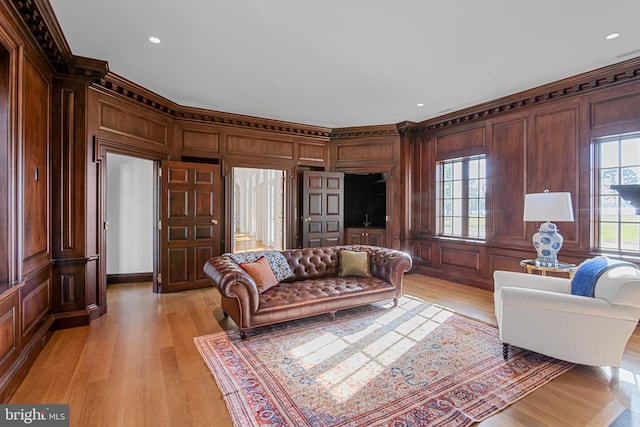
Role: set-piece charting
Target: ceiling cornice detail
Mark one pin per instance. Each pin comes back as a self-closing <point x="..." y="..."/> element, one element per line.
<point x="43" y="25"/>
<point x="615" y="74"/>
<point x="257" y="123"/>
<point x="364" y="131"/>
<point x="46" y="31"/>
<point x="119" y="86"/>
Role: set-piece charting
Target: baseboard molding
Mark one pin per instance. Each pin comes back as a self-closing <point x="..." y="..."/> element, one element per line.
<point x="72" y="319"/>
<point x="13" y="377"/>
<point x="129" y="278"/>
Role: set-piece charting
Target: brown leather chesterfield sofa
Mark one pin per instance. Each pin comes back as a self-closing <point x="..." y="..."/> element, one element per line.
<point x="315" y="288"/>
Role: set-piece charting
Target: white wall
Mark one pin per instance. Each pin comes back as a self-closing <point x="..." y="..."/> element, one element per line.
<point x="129" y="212"/>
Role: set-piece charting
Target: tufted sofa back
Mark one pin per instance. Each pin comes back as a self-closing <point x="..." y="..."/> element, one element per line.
<point x="313" y="263"/>
<point x="318" y="263"/>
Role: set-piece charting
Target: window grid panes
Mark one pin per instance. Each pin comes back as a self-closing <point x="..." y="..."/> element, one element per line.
<point x="618" y="227"/>
<point x="463" y="186"/>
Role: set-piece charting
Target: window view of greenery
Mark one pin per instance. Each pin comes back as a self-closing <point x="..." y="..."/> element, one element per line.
<point x="463" y="187"/>
<point x="619" y="164"/>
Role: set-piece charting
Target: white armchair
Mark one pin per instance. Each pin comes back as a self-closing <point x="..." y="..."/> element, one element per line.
<point x="539" y="313"/>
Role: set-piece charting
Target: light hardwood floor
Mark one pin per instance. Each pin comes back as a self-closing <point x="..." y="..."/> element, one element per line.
<point x="138" y="366"/>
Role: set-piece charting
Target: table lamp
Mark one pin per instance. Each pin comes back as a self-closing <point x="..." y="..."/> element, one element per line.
<point x="547" y="207"/>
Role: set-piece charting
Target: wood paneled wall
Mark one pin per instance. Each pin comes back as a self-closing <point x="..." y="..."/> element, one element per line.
<point x="43" y="239"/>
<point x="68" y="208"/>
<point x="25" y="190"/>
<point x="375" y="149"/>
<point x="6" y="167"/>
<point x="35" y="172"/>
<point x="138" y="120"/>
<point x="530" y="146"/>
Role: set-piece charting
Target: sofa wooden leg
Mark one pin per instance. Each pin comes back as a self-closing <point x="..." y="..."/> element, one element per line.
<point x="615" y="374"/>
<point x="225" y="314"/>
<point x="395" y="302"/>
<point x="505" y="351"/>
<point x="332" y="315"/>
<point x="244" y="334"/>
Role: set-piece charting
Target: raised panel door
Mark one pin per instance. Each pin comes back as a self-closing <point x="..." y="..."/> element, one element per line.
<point x="322" y="208"/>
<point x="190" y="229"/>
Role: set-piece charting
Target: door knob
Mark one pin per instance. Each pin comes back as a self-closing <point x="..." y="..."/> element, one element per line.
<point x="214" y="221"/>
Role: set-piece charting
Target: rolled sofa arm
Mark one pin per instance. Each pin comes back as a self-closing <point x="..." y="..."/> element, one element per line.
<point x="232" y="281"/>
<point x="530" y="281"/>
<point x="523" y="300"/>
<point x="389" y="264"/>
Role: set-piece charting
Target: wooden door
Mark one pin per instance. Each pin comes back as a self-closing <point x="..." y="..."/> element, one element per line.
<point x="364" y="236"/>
<point x="190" y="223"/>
<point x="354" y="236"/>
<point x="374" y="237"/>
<point x="322" y="208"/>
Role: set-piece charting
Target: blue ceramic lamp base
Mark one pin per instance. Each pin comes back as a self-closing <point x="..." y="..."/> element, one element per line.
<point x="547" y="242"/>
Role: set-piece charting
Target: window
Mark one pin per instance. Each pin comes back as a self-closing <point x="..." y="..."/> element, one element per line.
<point x="462" y="201"/>
<point x="618" y="163"/>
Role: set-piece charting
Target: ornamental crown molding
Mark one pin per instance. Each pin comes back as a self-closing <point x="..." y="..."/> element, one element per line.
<point x="121" y="87"/>
<point x="256" y="123"/>
<point x="622" y="72"/>
<point x="364" y="131"/>
<point x="40" y="20"/>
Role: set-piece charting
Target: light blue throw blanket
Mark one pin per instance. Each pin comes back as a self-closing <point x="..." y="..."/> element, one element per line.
<point x="584" y="281"/>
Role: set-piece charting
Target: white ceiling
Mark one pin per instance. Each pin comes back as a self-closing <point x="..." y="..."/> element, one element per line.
<point x="341" y="63"/>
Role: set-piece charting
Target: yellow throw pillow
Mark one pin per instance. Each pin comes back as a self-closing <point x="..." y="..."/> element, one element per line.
<point x="354" y="263"/>
<point x="261" y="272"/>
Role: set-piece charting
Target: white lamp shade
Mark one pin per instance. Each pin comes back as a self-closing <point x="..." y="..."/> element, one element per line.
<point x="548" y="207"/>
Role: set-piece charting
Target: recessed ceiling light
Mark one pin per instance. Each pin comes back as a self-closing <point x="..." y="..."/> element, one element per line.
<point x="154" y="40"/>
<point x="612" y="36"/>
<point x="420" y="104"/>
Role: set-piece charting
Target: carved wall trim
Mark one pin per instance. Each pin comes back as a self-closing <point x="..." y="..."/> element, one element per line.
<point x="116" y="85"/>
<point x="622" y="72"/>
<point x="104" y="145"/>
<point x="364" y="131"/>
<point x="45" y="29"/>
<point x="229" y="119"/>
<point x="119" y="86"/>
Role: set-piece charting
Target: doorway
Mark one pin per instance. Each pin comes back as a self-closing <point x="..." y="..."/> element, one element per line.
<point x="258" y="209"/>
<point x="129" y="221"/>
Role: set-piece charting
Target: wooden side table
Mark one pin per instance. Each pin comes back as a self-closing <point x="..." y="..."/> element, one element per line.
<point x="531" y="266"/>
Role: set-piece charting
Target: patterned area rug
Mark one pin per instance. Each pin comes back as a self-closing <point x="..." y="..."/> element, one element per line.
<point x="417" y="364"/>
